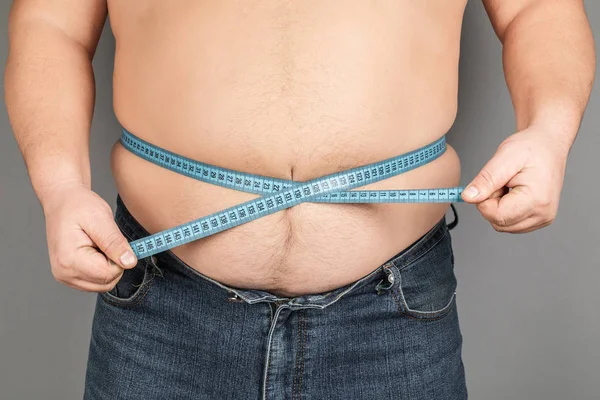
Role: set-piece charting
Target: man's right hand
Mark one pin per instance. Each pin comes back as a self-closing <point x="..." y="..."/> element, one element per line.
<point x="87" y="250"/>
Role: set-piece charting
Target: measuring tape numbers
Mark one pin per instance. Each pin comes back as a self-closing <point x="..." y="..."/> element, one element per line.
<point x="279" y="194"/>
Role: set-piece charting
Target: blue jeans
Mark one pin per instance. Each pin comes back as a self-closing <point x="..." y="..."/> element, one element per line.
<point x="168" y="332"/>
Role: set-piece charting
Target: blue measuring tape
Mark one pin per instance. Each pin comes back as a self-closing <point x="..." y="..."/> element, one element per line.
<point x="279" y="194"/>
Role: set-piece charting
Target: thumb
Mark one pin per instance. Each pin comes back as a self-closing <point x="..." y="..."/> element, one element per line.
<point x="105" y="233"/>
<point x="492" y="178"/>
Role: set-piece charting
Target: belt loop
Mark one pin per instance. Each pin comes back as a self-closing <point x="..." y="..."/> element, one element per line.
<point x="155" y="267"/>
<point x="453" y="224"/>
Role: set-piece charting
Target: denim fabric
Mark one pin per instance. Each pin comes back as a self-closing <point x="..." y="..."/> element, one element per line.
<point x="169" y="332"/>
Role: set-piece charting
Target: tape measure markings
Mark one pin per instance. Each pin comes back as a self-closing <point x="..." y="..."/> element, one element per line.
<point x="260" y="184"/>
<point x="281" y="194"/>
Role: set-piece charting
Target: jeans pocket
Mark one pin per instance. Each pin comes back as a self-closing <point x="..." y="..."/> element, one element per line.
<point x="425" y="289"/>
<point x="134" y="284"/>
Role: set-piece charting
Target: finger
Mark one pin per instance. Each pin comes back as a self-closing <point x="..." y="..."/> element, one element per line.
<point x="105" y="233"/>
<point x="530" y="224"/>
<point x="508" y="210"/>
<point x="488" y="209"/>
<point x="516" y="206"/>
<point x="492" y="202"/>
<point x="494" y="176"/>
<point x="102" y="270"/>
<point x="499" y="193"/>
<point x="94" y="267"/>
<point x="86" y="286"/>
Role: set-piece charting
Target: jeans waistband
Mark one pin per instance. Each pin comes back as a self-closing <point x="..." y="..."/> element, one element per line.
<point x="134" y="230"/>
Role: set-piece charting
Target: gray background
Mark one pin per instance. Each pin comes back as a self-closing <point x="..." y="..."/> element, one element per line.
<point x="528" y="303"/>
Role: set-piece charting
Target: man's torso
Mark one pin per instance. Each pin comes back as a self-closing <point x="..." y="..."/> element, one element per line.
<point x="293" y="90"/>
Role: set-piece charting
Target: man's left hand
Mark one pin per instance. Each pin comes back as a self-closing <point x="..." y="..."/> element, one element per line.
<point x="518" y="190"/>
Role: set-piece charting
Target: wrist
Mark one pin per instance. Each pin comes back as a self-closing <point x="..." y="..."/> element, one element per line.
<point x="558" y="123"/>
<point x="562" y="140"/>
<point x="50" y="195"/>
<point x="53" y="173"/>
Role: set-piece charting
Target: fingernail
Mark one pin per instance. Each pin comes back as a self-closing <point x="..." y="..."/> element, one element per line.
<point x="128" y="259"/>
<point x="471" y="192"/>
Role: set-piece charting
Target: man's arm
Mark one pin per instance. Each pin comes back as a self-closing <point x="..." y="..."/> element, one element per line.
<point x="549" y="65"/>
<point x="49" y="90"/>
<point x="49" y="86"/>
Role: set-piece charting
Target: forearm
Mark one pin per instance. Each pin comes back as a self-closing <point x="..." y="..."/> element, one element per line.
<point x="49" y="89"/>
<point x="549" y="64"/>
